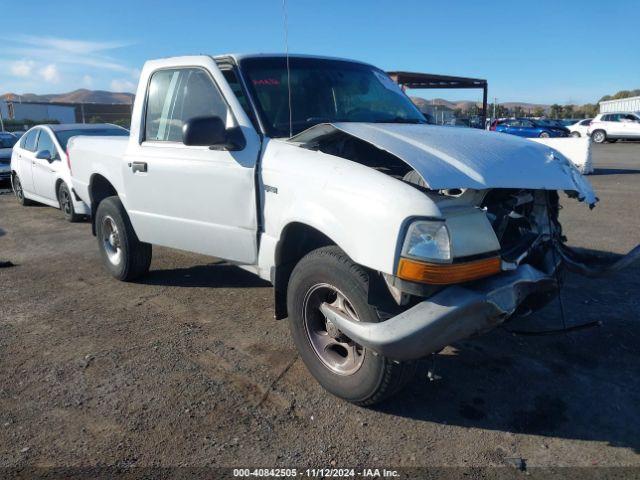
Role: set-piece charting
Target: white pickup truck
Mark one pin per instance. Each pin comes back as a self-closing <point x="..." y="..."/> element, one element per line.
<point x="385" y="238"/>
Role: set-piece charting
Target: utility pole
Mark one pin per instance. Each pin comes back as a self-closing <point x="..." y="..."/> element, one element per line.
<point x="495" y="100"/>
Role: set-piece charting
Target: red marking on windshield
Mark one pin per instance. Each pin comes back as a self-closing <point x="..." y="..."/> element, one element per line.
<point x="266" y="81"/>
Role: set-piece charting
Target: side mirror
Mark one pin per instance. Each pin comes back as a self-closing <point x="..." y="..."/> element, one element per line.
<point x="211" y="132"/>
<point x="44" y="155"/>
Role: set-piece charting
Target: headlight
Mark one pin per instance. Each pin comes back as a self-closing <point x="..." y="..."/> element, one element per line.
<point x="426" y="257"/>
<point x="429" y="241"/>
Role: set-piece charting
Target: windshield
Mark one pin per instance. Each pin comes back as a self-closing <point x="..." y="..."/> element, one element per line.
<point x="7" y="141"/>
<point x="324" y="91"/>
<point x="63" y="136"/>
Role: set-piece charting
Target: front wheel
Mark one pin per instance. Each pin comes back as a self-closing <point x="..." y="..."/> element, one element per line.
<point x="575" y="134"/>
<point x="544" y="135"/>
<point x="599" y="136"/>
<point x="66" y="204"/>
<point x="123" y="254"/>
<point x="340" y="365"/>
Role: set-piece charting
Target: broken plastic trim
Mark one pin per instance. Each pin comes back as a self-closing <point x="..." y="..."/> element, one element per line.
<point x="590" y="265"/>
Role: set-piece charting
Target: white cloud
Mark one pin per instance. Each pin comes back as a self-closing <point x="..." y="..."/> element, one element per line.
<point x="67" y="45"/>
<point x="122" y="85"/>
<point x="50" y="73"/>
<point x="87" y="81"/>
<point x="21" y="68"/>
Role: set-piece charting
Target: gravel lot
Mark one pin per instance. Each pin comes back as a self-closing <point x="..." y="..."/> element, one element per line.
<point x="188" y="368"/>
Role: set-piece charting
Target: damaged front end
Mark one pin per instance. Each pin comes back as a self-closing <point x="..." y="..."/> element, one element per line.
<point x="499" y="203"/>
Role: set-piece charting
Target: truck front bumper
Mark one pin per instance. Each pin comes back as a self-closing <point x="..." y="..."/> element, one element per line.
<point x="455" y="313"/>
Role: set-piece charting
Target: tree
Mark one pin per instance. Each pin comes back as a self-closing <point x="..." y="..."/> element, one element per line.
<point x="567" y="111"/>
<point x="556" y="111"/>
<point x="538" y="112"/>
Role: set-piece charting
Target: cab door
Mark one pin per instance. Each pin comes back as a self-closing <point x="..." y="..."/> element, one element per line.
<point x="45" y="171"/>
<point x="192" y="198"/>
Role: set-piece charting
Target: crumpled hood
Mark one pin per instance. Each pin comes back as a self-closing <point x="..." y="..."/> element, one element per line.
<point x="448" y="157"/>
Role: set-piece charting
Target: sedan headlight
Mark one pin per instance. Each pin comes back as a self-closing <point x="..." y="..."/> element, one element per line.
<point x="429" y="241"/>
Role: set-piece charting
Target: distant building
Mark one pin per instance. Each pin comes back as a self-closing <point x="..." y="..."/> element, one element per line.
<point x="66" y="112"/>
<point x="37" y="111"/>
<point x="631" y="104"/>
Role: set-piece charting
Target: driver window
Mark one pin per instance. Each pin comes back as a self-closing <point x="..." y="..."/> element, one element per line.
<point x="176" y="96"/>
<point x="46" y="143"/>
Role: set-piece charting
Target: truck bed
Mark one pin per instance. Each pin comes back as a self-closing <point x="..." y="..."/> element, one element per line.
<point x="89" y="156"/>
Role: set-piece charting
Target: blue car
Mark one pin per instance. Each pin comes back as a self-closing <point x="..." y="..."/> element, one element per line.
<point x="530" y="128"/>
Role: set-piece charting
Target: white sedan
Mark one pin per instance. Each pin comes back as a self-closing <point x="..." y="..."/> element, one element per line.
<point x="40" y="166"/>
<point x="579" y="129"/>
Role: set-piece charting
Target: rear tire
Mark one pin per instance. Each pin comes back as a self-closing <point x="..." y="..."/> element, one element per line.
<point x="599" y="136"/>
<point x="123" y="254"/>
<point x="575" y="134"/>
<point x="66" y="204"/>
<point x="19" y="192"/>
<point x="544" y="135"/>
<point x="341" y="366"/>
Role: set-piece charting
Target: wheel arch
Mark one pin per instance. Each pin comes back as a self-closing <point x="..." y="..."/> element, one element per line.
<point x="99" y="189"/>
<point x="296" y="240"/>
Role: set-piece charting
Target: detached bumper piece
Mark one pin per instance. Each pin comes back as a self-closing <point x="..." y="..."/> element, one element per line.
<point x="450" y="315"/>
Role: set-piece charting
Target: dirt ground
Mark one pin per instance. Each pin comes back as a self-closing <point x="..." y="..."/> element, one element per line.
<point x="188" y="368"/>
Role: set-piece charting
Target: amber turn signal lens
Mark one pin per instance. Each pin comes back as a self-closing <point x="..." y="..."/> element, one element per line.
<point x="445" y="274"/>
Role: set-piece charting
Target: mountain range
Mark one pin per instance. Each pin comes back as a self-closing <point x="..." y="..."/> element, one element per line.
<point x="466" y="104"/>
<point x="101" y="96"/>
<point x="77" y="96"/>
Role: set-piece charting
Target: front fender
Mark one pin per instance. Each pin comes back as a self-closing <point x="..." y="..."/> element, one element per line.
<point x="361" y="209"/>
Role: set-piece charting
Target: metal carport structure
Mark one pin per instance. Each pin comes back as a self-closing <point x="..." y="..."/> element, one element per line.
<point x="414" y="80"/>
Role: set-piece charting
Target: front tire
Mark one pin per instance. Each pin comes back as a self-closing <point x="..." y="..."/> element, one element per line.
<point x="66" y="204"/>
<point x="19" y="192"/>
<point x="123" y="254"/>
<point x="599" y="136"/>
<point x="544" y="135"/>
<point x="575" y="134"/>
<point x="341" y="366"/>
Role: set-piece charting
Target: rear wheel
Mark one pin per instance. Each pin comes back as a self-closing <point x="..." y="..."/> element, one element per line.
<point x="575" y="134"/>
<point x="344" y="368"/>
<point x="19" y="192"/>
<point x="66" y="204"/>
<point x="544" y="135"/>
<point x="599" y="136"/>
<point x="123" y="254"/>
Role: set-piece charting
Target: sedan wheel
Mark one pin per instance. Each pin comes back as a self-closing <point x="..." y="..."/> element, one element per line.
<point x="544" y="135"/>
<point x="575" y="134"/>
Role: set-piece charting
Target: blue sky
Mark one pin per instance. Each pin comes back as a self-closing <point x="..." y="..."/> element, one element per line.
<point x="536" y="51"/>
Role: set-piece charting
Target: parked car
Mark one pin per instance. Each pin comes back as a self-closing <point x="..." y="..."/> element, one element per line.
<point x="7" y="141"/>
<point x="611" y="127"/>
<point x="580" y="128"/>
<point x="40" y="167"/>
<point x="385" y="238"/>
<point x="526" y="127"/>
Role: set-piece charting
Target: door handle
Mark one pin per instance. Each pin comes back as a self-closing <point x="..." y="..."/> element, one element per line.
<point x="138" y="167"/>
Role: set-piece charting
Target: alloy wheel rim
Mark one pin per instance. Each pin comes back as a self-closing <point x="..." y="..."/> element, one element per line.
<point x="337" y="352"/>
<point x="111" y="240"/>
<point x="598" y="137"/>
<point x="18" y="188"/>
<point x="65" y="200"/>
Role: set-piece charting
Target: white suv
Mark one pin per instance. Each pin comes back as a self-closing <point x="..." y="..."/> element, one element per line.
<point x="610" y="127"/>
